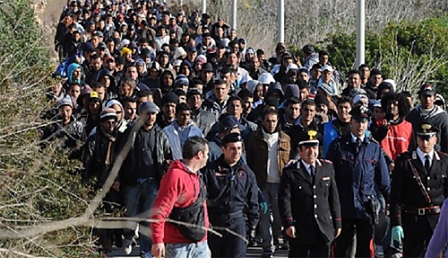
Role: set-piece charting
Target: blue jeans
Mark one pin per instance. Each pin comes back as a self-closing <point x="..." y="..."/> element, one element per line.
<point x="199" y="250"/>
<point x="138" y="200"/>
<point x="270" y="193"/>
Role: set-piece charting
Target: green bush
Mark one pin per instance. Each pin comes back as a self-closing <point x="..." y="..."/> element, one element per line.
<point x="36" y="186"/>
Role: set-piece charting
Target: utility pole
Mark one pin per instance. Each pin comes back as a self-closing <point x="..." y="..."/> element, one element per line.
<point x="234" y="4"/>
<point x="281" y="21"/>
<point x="204" y="6"/>
<point x="360" y="32"/>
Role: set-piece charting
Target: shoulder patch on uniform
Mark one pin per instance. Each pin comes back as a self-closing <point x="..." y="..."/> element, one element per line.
<point x="291" y="164"/>
<point x="442" y="153"/>
<point x="326" y="161"/>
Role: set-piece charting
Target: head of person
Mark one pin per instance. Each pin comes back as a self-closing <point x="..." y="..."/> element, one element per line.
<point x="94" y="106"/>
<point x="378" y="112"/>
<point x="220" y="90"/>
<point x="183" y="114"/>
<point x="196" y="149"/>
<point x="132" y="72"/>
<point x="308" y="146"/>
<point x="376" y="77"/>
<point x="235" y="106"/>
<point x="269" y="120"/>
<point x="308" y="111"/>
<point x="316" y="71"/>
<point x="440" y="101"/>
<point x="324" y="57"/>
<point x="304" y="89"/>
<point x="327" y="73"/>
<point x="292" y="108"/>
<point x="427" y="96"/>
<point x="127" y="87"/>
<point x="169" y="103"/>
<point x="74" y="90"/>
<point x="302" y="74"/>
<point x="384" y="88"/>
<point x="108" y="120"/>
<point x="361" y="99"/>
<point x="248" y="99"/>
<point x="307" y="50"/>
<point x="194" y="99"/>
<point x="344" y="107"/>
<point x="232" y="148"/>
<point x="228" y="124"/>
<point x="354" y="79"/>
<point x="360" y="120"/>
<point x="144" y="96"/>
<point x="148" y="112"/>
<point x="395" y="105"/>
<point x="65" y="110"/>
<point x="364" y="70"/>
<point x="409" y="97"/>
<point x="426" y="137"/>
<point x="99" y="88"/>
<point x="130" y="108"/>
<point x="322" y="103"/>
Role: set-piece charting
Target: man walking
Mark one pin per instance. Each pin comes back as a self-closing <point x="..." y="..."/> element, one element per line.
<point x="309" y="201"/>
<point x="419" y="187"/>
<point x="182" y="197"/>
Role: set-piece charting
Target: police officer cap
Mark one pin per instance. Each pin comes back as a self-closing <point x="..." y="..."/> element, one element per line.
<point x="228" y="122"/>
<point x="361" y="113"/>
<point x="232" y="137"/>
<point x="426" y="130"/>
<point x="309" y="138"/>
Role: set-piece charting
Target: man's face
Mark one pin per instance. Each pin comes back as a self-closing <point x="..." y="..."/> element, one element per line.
<point x="96" y="64"/>
<point x="270" y="122"/>
<point x="316" y="73"/>
<point x="365" y="72"/>
<point x="378" y="113"/>
<point x="168" y="79"/>
<point x="125" y="89"/>
<point x="354" y="80"/>
<point x="132" y="73"/>
<point x="204" y="157"/>
<point x="308" y="154"/>
<point x="109" y="125"/>
<point x="426" y="144"/>
<point x="323" y="60"/>
<point x="106" y="81"/>
<point x="94" y="106"/>
<point x="235" y="108"/>
<point x="220" y="91"/>
<point x="183" y="118"/>
<point x="376" y="80"/>
<point x="150" y="118"/>
<point x="75" y="91"/>
<point x="358" y="128"/>
<point x="307" y="112"/>
<point x="207" y="75"/>
<point x="344" y="109"/>
<point x="65" y="112"/>
<point x="427" y="101"/>
<point x="248" y="102"/>
<point x="293" y="111"/>
<point x="233" y="59"/>
<point x="326" y="76"/>
<point x="304" y="93"/>
<point x="101" y="92"/>
<point x="255" y="63"/>
<point x="169" y="110"/>
<point x="110" y="64"/>
<point x="195" y="102"/>
<point x="392" y="107"/>
<point x="130" y="110"/>
<point x="118" y="111"/>
<point x="304" y="76"/>
<point x="322" y="108"/>
<point x="232" y="152"/>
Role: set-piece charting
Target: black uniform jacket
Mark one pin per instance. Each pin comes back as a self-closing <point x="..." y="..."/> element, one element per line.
<point x="310" y="205"/>
<point x="405" y="191"/>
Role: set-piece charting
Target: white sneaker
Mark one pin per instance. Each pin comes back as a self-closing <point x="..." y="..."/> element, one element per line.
<point x="127" y="246"/>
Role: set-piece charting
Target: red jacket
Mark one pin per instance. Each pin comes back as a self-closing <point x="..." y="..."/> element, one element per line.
<point x="178" y="188"/>
<point x="397" y="139"/>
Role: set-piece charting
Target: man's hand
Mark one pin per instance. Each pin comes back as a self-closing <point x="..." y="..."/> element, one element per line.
<point x="264" y="207"/>
<point x="291" y="232"/>
<point x="116" y="186"/>
<point x="337" y="232"/>
<point x="158" y="250"/>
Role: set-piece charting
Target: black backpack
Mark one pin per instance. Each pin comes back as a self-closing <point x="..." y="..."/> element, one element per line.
<point x="194" y="215"/>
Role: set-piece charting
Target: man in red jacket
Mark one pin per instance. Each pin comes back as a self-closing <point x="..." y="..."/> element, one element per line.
<point x="181" y="198"/>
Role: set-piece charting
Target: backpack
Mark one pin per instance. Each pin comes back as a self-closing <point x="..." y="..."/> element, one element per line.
<point x="193" y="214"/>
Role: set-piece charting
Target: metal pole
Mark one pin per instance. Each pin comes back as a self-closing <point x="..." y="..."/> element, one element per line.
<point x="281" y="21"/>
<point x="204" y="6"/>
<point x="360" y="32"/>
<point x="234" y="4"/>
<point x="181" y="3"/>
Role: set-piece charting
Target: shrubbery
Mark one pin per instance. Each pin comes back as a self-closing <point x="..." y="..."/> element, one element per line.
<point x="36" y="186"/>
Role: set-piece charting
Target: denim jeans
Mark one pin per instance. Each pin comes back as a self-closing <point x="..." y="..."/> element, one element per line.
<point x="199" y="250"/>
<point x="270" y="193"/>
<point x="138" y="200"/>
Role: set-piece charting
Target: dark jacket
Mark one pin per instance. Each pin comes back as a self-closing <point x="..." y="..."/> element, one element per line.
<point x="310" y="204"/>
<point x="257" y="155"/>
<point x="405" y="190"/>
<point x="128" y="173"/>
<point x="69" y="134"/>
<point x="358" y="174"/>
<point x="231" y="190"/>
<point x="438" y="118"/>
<point x="95" y="151"/>
<point x="204" y="119"/>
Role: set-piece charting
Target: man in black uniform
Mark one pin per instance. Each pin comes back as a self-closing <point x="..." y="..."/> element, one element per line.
<point x="419" y="187"/>
<point x="232" y="193"/>
<point x="309" y="201"/>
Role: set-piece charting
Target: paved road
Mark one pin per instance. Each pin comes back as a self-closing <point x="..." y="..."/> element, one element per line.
<point x="252" y="253"/>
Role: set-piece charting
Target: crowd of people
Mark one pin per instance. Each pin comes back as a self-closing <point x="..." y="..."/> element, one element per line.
<point x="264" y="148"/>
